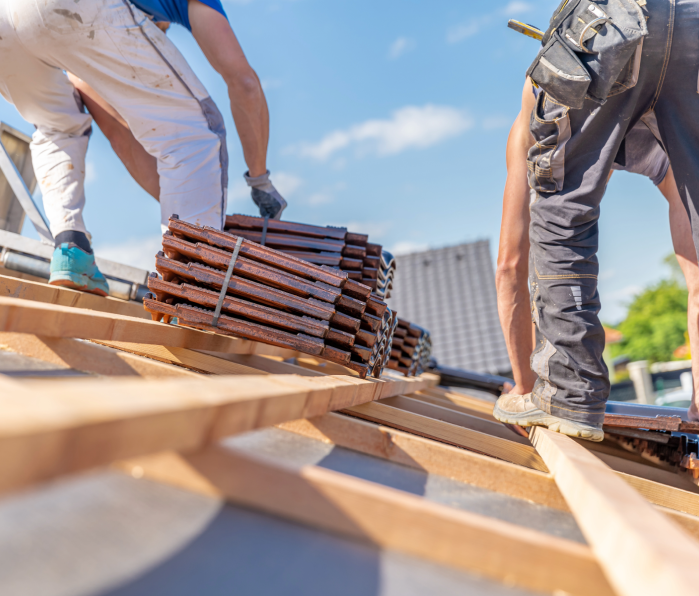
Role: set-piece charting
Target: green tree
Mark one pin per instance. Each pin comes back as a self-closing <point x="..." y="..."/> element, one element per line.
<point x="656" y="323"/>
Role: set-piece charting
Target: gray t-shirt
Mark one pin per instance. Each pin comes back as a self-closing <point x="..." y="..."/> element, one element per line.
<point x="641" y="153"/>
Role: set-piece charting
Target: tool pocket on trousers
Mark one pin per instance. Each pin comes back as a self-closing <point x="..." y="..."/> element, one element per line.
<point x="629" y="75"/>
<point x="550" y="127"/>
<point x="558" y="70"/>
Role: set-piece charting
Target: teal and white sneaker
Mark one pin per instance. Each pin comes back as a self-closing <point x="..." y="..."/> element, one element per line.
<point x="72" y="267"/>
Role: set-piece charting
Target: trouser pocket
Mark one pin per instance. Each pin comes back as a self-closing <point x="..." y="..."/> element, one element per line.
<point x="550" y="127"/>
<point x="604" y="39"/>
<point x="558" y="70"/>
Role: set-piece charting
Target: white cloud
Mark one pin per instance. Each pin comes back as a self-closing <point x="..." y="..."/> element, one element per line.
<point x="460" y="32"/>
<point x="320" y="198"/>
<point x="410" y="127"/>
<point x="399" y="47"/>
<point x="287" y="184"/>
<point x="238" y="191"/>
<point x="407" y="247"/>
<point x="90" y="172"/>
<point x="269" y="84"/>
<point x="137" y="252"/>
<point x="516" y="7"/>
<point x="463" y="31"/>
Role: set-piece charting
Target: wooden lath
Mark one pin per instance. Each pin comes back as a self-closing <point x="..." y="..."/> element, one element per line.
<point x="11" y="287"/>
<point x="641" y="552"/>
<point x="38" y="318"/>
<point x="51" y="429"/>
<point x="385" y="517"/>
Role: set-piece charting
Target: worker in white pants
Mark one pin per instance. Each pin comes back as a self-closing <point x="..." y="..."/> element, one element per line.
<point x="118" y="50"/>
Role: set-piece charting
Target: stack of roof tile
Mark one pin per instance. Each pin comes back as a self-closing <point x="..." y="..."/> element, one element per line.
<point x="363" y="261"/>
<point x="272" y="297"/>
<point x="411" y="349"/>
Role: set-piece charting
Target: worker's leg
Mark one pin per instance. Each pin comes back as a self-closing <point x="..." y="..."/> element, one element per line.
<point x="573" y="381"/>
<point x="677" y="102"/>
<point x="120" y="53"/>
<point x="683" y="244"/>
<point x="142" y="166"/>
<point x="569" y="167"/>
<point x="44" y="97"/>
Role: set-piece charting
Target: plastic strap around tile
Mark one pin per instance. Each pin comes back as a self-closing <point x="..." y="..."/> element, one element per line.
<point x="226" y="281"/>
<point x="264" y="231"/>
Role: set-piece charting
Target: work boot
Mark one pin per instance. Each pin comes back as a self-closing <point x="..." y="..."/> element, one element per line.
<point x="72" y="267"/>
<point x="521" y="410"/>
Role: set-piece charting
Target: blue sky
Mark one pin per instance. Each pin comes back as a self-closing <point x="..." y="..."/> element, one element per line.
<point x="391" y="118"/>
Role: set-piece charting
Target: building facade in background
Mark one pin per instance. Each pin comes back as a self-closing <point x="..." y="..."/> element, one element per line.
<point x="451" y="292"/>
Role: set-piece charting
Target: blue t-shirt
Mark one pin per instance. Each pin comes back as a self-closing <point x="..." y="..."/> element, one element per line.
<point x="174" y="11"/>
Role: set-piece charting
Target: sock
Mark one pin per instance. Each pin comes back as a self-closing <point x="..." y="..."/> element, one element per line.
<point x="77" y="238"/>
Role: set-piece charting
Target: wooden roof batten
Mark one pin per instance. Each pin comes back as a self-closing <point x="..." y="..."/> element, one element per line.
<point x="173" y="394"/>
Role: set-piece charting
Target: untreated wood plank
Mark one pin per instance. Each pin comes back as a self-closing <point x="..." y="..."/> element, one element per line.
<point x="432" y="457"/>
<point x="51" y="429"/>
<point x="88" y="357"/>
<point x="271" y="364"/>
<point x="24" y="316"/>
<point x="658" y="486"/>
<point x="641" y="551"/>
<point x="494" y="429"/>
<point x="11" y="287"/>
<point x="385" y="517"/>
<point x="499" y="476"/>
<point x="523" y="455"/>
<point x="465" y="401"/>
<point x="438" y="400"/>
<point x="183" y="357"/>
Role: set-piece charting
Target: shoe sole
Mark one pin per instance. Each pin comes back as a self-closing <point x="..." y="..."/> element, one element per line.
<point x="559" y="425"/>
<point x="67" y="283"/>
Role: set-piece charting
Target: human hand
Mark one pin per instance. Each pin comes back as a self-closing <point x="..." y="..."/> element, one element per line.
<point x="265" y="196"/>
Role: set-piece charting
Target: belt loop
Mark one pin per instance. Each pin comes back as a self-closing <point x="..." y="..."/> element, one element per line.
<point x="226" y="281"/>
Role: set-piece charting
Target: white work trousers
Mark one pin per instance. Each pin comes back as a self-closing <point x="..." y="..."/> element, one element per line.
<point x="117" y="50"/>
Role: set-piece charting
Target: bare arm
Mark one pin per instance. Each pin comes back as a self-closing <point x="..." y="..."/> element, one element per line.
<point x="513" y="253"/>
<point x="141" y="165"/>
<point x="687" y="257"/>
<point x="216" y="39"/>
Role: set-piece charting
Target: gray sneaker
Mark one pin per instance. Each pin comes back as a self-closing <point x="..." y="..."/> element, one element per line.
<point x="521" y="410"/>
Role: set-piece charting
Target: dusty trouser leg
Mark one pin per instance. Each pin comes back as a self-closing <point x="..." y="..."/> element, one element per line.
<point x="569" y="167"/>
<point x="43" y="96"/>
<point x="572" y="379"/>
<point x="676" y="106"/>
<point x="119" y="52"/>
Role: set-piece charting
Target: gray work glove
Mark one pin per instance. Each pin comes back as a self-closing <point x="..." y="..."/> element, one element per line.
<point x="266" y="197"/>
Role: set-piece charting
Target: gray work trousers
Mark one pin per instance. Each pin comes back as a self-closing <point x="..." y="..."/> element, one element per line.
<point x="568" y="170"/>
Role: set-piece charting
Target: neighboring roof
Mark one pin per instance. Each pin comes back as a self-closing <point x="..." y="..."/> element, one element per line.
<point x="612" y="336"/>
<point x="451" y="292"/>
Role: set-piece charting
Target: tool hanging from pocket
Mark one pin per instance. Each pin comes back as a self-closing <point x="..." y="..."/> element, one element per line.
<point x="590" y="50"/>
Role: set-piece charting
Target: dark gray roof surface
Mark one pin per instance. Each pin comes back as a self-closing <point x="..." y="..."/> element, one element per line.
<point x="106" y="534"/>
<point x="451" y="292"/>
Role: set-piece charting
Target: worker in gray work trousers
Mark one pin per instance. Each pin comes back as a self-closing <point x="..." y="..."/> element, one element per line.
<point x="603" y="67"/>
